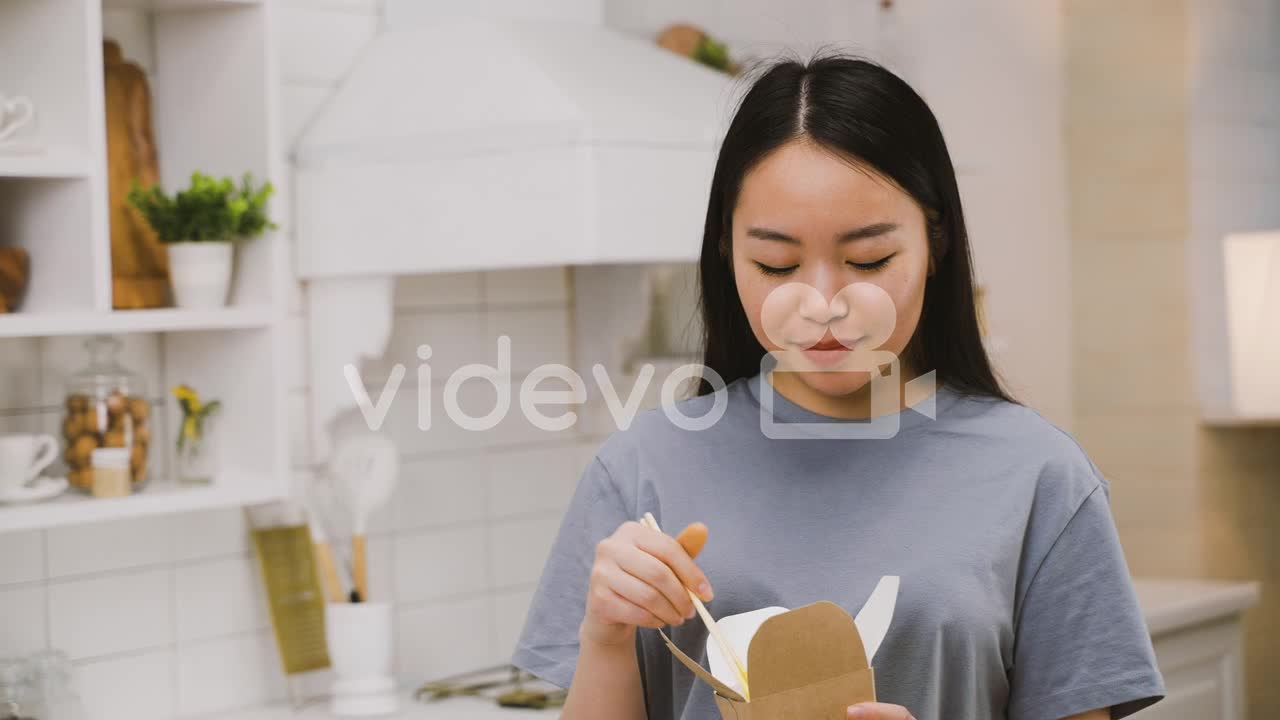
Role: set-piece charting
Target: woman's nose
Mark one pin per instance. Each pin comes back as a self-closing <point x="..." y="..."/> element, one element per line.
<point x="824" y="306"/>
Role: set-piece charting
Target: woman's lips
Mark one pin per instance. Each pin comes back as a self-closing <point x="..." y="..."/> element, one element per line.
<point x="826" y="358"/>
<point x="828" y="351"/>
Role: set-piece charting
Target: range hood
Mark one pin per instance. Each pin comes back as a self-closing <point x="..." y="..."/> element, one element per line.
<point x="502" y="138"/>
<point x="461" y="143"/>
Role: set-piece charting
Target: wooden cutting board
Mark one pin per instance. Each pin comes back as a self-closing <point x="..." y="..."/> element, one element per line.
<point x="14" y="267"/>
<point x="139" y="262"/>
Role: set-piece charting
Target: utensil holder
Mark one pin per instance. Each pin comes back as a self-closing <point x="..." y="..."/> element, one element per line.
<point x="360" y="651"/>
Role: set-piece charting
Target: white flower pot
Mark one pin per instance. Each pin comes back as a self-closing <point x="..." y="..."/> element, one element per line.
<point x="200" y="273"/>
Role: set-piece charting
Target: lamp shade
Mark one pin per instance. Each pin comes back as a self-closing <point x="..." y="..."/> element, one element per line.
<point x="1251" y="263"/>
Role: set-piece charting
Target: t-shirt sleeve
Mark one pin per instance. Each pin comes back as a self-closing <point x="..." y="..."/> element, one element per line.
<point x="548" y="646"/>
<point x="1081" y="641"/>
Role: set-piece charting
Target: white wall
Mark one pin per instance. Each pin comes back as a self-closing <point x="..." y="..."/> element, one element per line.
<point x="1233" y="185"/>
<point x="1233" y="136"/>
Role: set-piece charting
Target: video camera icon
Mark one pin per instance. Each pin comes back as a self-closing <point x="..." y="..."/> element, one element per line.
<point x="886" y="396"/>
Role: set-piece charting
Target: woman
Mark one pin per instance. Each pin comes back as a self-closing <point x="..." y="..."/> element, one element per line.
<point x="835" y="239"/>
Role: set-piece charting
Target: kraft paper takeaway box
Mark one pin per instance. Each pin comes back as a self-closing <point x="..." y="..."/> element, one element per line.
<point x="810" y="663"/>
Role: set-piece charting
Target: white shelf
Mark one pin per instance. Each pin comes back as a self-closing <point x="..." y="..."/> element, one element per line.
<point x="168" y="5"/>
<point x="74" y="508"/>
<point x="51" y="163"/>
<point x="38" y="324"/>
<point x="458" y="708"/>
<point x="1242" y="421"/>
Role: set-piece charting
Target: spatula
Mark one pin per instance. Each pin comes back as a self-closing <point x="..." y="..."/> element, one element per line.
<point x="366" y="466"/>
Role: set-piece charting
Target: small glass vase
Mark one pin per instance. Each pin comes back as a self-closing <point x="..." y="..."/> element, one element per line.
<point x="196" y="459"/>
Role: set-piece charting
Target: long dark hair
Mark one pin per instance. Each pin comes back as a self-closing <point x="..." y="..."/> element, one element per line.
<point x="861" y="111"/>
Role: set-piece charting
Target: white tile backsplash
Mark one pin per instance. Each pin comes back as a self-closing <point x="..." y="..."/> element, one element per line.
<point x="455" y="337"/>
<point x="135" y="686"/>
<point x="538" y="337"/>
<point x="217" y="598"/>
<point x="521" y="287"/>
<point x="382" y="569"/>
<point x="21" y="557"/>
<point x="211" y="533"/>
<point x="296" y="342"/>
<point x="509" y="611"/>
<point x="440" y="564"/>
<point x="299" y="428"/>
<point x="20" y="374"/>
<point x="117" y="545"/>
<point x="229" y="673"/>
<point x="15" y="421"/>
<point x="22" y="619"/>
<point x="441" y="490"/>
<point x="518" y="548"/>
<point x="528" y="480"/>
<point x="443" y="639"/>
<point x="113" y="614"/>
<point x="439" y="290"/>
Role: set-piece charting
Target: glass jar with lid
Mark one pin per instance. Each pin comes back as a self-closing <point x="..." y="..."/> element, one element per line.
<point x="54" y="681"/>
<point x="17" y="693"/>
<point x="106" y="407"/>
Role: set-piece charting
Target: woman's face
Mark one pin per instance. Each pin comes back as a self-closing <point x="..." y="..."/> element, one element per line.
<point x="830" y="262"/>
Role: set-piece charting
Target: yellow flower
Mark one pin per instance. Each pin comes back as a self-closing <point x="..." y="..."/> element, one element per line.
<point x="188" y="398"/>
<point x="193" y="413"/>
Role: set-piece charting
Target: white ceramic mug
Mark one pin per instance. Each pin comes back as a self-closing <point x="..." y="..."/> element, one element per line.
<point x="15" y="112"/>
<point x="22" y="457"/>
<point x="361" y="653"/>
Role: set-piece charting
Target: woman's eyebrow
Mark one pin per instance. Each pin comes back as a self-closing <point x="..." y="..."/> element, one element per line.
<point x="767" y="234"/>
<point x="867" y="231"/>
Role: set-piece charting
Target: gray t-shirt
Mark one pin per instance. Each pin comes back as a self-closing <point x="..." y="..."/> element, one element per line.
<point x="1015" y="599"/>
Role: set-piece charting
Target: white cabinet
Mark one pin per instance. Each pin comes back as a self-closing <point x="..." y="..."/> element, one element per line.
<point x="211" y="79"/>
<point x="1196" y="629"/>
<point x="1201" y="667"/>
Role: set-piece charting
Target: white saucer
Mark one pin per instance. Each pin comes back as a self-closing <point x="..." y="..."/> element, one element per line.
<point x="42" y="488"/>
<point x="21" y="146"/>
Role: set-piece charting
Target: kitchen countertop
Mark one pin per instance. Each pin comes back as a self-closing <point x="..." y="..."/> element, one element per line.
<point x="1167" y="605"/>
<point x="465" y="708"/>
<point x="1177" y="604"/>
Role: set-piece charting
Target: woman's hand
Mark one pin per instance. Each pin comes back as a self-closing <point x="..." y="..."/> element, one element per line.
<point x="878" y="711"/>
<point x="638" y="579"/>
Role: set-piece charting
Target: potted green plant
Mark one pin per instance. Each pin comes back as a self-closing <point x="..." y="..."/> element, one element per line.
<point x="200" y="226"/>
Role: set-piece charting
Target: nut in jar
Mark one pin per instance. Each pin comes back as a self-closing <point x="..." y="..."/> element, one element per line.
<point x="106" y="407"/>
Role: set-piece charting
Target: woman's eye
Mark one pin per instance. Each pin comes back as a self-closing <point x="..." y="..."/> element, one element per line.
<point x="872" y="266"/>
<point x="773" y="270"/>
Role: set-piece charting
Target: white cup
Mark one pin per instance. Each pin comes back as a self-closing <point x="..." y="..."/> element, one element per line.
<point x="15" y="112"/>
<point x="360" y="653"/>
<point x="23" y="457"/>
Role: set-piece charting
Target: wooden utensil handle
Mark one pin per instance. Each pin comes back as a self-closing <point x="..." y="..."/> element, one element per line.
<point x="328" y="573"/>
<point x="359" y="566"/>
